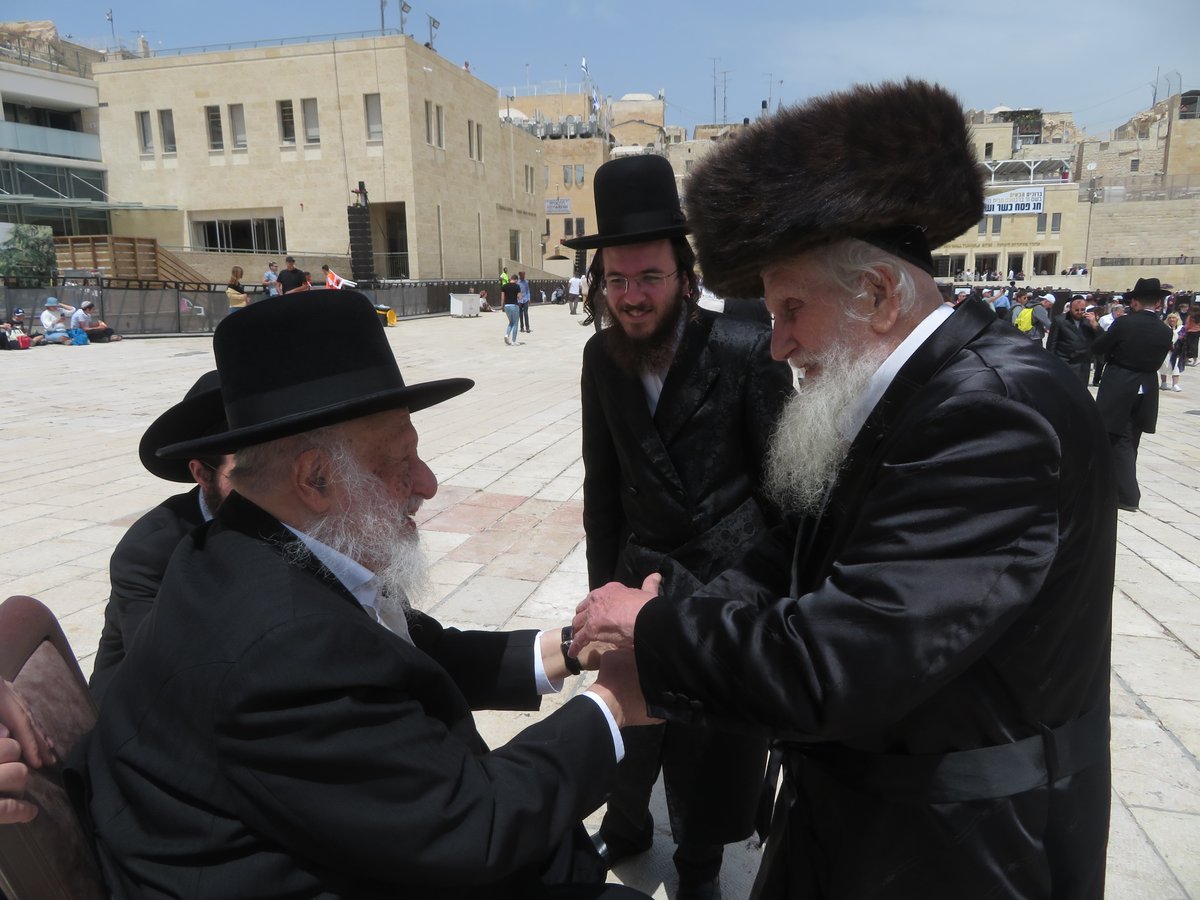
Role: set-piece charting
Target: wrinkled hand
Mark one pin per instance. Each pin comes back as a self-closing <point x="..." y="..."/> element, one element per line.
<point x="617" y="683"/>
<point x="13" y="778"/>
<point x="608" y="614"/>
<point x="17" y="722"/>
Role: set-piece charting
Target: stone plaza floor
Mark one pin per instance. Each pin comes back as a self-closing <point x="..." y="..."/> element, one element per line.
<point x="505" y="538"/>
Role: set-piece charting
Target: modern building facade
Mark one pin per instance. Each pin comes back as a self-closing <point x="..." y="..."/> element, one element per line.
<point x="262" y="149"/>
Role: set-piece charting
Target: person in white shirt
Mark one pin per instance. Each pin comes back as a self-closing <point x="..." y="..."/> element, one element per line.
<point x="574" y="292"/>
<point x="55" y="322"/>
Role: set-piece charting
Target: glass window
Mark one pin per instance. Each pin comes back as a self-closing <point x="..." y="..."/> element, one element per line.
<point x="568" y="173"/>
<point x="237" y="125"/>
<point x="216" y="139"/>
<point x="1041" y="223"/>
<point x="987" y="151"/>
<point x="374" y="115"/>
<point x="470" y="139"/>
<point x="1135" y="165"/>
<point x="145" y="132"/>
<point x="429" y="121"/>
<point x="579" y="175"/>
<point x="579" y="226"/>
<point x="514" y="244"/>
<point x="983" y="225"/>
<point x="287" y="122"/>
<point x="479" y="141"/>
<point x="255" y="235"/>
<point x="441" y="127"/>
<point x="568" y="226"/>
<point x="166" y="127"/>
<point x="996" y="221"/>
<point x="312" y="125"/>
<point x="1055" y="223"/>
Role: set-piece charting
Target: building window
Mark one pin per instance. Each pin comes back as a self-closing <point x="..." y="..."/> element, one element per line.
<point x="1134" y="165"/>
<point x="545" y="177"/>
<point x="987" y="151"/>
<point x="166" y="127"/>
<point x="479" y="141"/>
<point x="514" y="244"/>
<point x="996" y="220"/>
<point x="687" y="165"/>
<point x="1041" y="223"/>
<point x="237" y="125"/>
<point x="1055" y="223"/>
<point x="983" y="225"/>
<point x="145" y="133"/>
<point x="568" y="173"/>
<point x="312" y="124"/>
<point x="287" y="122"/>
<point x="216" y="140"/>
<point x="569" y="226"/>
<point x="579" y="226"/>
<point x="429" y="121"/>
<point x="255" y="235"/>
<point x="373" y="111"/>
<point x="579" y="175"/>
<point x="440" y="122"/>
<point x="470" y="138"/>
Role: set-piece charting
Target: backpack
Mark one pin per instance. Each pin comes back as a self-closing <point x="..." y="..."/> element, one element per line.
<point x="1024" y="320"/>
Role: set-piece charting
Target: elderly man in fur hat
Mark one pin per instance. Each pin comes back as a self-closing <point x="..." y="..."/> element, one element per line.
<point x="930" y="646"/>
<point x="678" y="408"/>
<point x="284" y="724"/>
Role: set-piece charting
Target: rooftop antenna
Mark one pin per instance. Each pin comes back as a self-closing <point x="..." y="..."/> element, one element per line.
<point x="715" y="60"/>
<point x="725" y="96"/>
<point x="108" y="15"/>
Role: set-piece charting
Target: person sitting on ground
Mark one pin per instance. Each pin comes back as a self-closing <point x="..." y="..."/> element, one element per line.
<point x="97" y="330"/>
<point x="56" y="321"/>
<point x="16" y="328"/>
<point x="238" y="298"/>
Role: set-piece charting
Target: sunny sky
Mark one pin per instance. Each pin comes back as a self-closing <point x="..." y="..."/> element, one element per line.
<point x="1096" y="58"/>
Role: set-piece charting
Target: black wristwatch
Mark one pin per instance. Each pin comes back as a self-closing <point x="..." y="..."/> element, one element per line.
<point x="571" y="662"/>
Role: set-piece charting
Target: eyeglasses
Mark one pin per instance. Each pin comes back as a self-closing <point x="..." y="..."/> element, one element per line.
<point x="647" y="281"/>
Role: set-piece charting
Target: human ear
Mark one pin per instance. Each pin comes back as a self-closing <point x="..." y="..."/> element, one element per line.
<point x="882" y="286"/>
<point x="310" y="480"/>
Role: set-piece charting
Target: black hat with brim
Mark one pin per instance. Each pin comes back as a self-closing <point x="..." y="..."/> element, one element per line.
<point x="200" y="412"/>
<point x="636" y="202"/>
<point x="1147" y="288"/>
<point x="277" y="380"/>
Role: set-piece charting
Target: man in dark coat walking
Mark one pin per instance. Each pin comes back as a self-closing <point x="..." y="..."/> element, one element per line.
<point x="930" y="644"/>
<point x="678" y="408"/>
<point x="1071" y="337"/>
<point x="1135" y="346"/>
<point x="140" y="558"/>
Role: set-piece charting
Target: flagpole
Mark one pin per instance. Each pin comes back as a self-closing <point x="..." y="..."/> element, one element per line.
<point x="113" y="27"/>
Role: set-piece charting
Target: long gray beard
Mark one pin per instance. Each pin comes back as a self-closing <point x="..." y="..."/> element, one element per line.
<point x="374" y="532"/>
<point x="808" y="447"/>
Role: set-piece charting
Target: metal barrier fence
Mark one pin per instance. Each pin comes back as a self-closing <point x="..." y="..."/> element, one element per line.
<point x="147" y="308"/>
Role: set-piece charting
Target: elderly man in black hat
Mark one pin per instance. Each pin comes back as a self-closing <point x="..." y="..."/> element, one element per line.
<point x="284" y="724"/>
<point x="930" y="644"/>
<point x="140" y="558"/>
<point x="1134" y="347"/>
<point x="678" y="408"/>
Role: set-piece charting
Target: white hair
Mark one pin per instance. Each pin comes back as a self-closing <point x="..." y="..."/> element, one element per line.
<point x="850" y="262"/>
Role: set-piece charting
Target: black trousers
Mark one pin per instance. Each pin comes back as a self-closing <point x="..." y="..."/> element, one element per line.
<point x="1124" y="457"/>
<point x="525" y="316"/>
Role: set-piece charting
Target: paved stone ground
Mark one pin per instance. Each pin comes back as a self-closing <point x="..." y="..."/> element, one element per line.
<point x="505" y="537"/>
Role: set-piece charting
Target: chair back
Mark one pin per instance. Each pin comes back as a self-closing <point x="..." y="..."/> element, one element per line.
<point x="51" y="857"/>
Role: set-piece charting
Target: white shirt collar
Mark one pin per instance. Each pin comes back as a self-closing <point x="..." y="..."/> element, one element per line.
<point x="652" y="381"/>
<point x="856" y="414"/>
<point x="357" y="579"/>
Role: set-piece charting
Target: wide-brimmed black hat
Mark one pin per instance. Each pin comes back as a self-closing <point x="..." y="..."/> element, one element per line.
<point x="200" y="412"/>
<point x="636" y="201"/>
<point x="1150" y="288"/>
<point x="296" y="363"/>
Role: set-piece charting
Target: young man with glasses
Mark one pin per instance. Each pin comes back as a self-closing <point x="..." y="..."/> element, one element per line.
<point x="678" y="407"/>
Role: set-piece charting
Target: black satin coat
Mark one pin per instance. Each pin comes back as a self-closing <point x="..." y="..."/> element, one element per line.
<point x="1135" y="344"/>
<point x="266" y="738"/>
<point x="679" y="494"/>
<point x="954" y="594"/>
<point x="135" y="572"/>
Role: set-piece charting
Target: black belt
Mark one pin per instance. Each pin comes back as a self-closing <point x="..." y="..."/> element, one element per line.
<point x="983" y="774"/>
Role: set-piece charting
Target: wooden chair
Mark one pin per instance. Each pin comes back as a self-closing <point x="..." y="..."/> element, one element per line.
<point x="51" y="857"/>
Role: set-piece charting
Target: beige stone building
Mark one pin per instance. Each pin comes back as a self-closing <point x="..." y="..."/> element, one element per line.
<point x="262" y="150"/>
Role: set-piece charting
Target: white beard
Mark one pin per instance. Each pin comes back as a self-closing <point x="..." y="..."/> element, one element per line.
<point x="377" y="533"/>
<point x="808" y="447"/>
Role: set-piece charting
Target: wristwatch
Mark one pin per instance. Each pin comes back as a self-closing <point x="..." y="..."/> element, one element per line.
<point x="571" y="662"/>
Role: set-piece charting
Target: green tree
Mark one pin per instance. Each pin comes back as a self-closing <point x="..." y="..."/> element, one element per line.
<point x="28" y="254"/>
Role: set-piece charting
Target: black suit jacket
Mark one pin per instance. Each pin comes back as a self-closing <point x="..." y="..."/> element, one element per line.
<point x="135" y="572"/>
<point x="954" y="594"/>
<point x="1071" y="341"/>
<point x="1135" y="344"/>
<point x="680" y="491"/>
<point x="265" y="737"/>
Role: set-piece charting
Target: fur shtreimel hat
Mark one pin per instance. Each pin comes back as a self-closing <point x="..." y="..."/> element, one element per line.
<point x="891" y="164"/>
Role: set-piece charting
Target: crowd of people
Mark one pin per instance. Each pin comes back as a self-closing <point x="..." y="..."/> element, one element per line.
<point x="887" y="585"/>
<point x="62" y="325"/>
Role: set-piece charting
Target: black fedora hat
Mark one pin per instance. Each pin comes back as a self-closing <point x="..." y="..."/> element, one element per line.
<point x="1150" y="288"/>
<point x="636" y="201"/>
<point x="275" y="382"/>
<point x="200" y="412"/>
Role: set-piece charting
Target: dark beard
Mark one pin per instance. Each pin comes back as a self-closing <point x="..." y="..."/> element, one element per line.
<point x="652" y="353"/>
